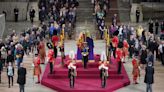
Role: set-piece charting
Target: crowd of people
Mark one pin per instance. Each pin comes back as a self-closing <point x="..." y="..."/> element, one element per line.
<point x="61" y="14"/>
<point x="143" y="46"/>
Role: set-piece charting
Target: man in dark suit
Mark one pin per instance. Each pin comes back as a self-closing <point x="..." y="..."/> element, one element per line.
<point x="137" y="14"/>
<point x="16" y="13"/>
<point x="149" y="76"/>
<point x="21" y="77"/>
<point x="32" y="14"/>
<point x="42" y="14"/>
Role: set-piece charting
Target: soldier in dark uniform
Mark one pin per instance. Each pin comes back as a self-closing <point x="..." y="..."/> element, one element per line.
<point x="16" y="13"/>
<point x="103" y="73"/>
<point x="72" y="74"/>
<point x="85" y="52"/>
<point x="137" y="14"/>
<point x="32" y="14"/>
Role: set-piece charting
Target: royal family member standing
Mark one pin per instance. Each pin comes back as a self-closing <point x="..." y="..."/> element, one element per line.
<point x="149" y="77"/>
<point x="21" y="77"/>
<point x="10" y="74"/>
<point x="85" y="52"/>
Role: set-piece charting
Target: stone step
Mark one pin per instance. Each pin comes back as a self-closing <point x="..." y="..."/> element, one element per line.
<point x="83" y="15"/>
<point x="85" y="8"/>
<point x="84" y="1"/>
<point x="85" y="19"/>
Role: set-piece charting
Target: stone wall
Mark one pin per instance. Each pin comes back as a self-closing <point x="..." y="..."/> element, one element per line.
<point x="9" y="8"/>
<point x="134" y="7"/>
<point x="153" y="10"/>
<point x="2" y="25"/>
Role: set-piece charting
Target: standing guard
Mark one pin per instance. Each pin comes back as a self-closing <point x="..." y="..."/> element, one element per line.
<point x="103" y="69"/>
<point x="103" y="73"/>
<point x="72" y="70"/>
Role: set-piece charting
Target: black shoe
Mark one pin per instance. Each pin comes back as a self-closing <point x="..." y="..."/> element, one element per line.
<point x="103" y="86"/>
<point x="37" y="83"/>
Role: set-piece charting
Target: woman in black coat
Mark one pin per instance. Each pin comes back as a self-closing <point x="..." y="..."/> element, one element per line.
<point x="21" y="77"/>
<point x="149" y="76"/>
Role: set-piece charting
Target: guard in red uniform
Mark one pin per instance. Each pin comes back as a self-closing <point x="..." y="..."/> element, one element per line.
<point x="42" y="51"/>
<point x="115" y="42"/>
<point x="136" y="71"/>
<point x="119" y="56"/>
<point x="55" y="40"/>
<point x="51" y="58"/>
<point x="125" y="50"/>
<point x="37" y="68"/>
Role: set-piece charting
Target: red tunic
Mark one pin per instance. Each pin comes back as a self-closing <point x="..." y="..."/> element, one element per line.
<point x="135" y="71"/>
<point x="119" y="55"/>
<point x="42" y="51"/>
<point x="125" y="44"/>
<point x="134" y="62"/>
<point x="115" y="41"/>
<point x="55" y="40"/>
<point x="125" y="48"/>
<point x="51" y="56"/>
<point x="37" y="68"/>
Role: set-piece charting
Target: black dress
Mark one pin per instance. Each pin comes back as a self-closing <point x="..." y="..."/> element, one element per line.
<point x="21" y="76"/>
<point x="149" y="76"/>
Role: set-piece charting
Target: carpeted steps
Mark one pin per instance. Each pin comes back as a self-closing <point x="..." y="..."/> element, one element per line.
<point x="85" y="76"/>
<point x="90" y="73"/>
<point x="87" y="80"/>
<point x="84" y="85"/>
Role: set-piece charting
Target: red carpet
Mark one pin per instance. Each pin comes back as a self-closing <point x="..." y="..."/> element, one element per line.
<point x="87" y="80"/>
